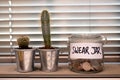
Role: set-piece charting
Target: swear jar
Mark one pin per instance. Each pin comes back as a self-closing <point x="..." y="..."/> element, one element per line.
<point x="86" y="53"/>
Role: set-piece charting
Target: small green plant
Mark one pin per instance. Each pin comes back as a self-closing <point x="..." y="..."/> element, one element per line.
<point x="23" y="42"/>
<point x="45" y="24"/>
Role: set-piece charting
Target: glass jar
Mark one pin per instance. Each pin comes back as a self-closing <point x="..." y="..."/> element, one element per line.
<point x="86" y="52"/>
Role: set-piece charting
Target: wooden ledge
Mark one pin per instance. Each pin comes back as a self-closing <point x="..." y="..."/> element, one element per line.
<point x="111" y="70"/>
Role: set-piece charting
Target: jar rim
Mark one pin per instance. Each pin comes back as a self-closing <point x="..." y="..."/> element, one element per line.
<point x="86" y="35"/>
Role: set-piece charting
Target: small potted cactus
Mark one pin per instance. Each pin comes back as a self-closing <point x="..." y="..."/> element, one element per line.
<point x="48" y="54"/>
<point x="24" y="55"/>
<point x="23" y="42"/>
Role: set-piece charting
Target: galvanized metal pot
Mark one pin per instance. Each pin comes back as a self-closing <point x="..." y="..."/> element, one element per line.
<point x="49" y="59"/>
<point x="25" y="59"/>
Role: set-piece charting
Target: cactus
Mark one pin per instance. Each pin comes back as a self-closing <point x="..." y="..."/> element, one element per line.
<point x="23" y="42"/>
<point x="45" y="24"/>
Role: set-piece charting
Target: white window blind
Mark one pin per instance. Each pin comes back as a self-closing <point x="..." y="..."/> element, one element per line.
<point x="4" y="28"/>
<point x="67" y="17"/>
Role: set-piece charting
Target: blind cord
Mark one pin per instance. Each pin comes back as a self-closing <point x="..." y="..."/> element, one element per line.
<point x="10" y="28"/>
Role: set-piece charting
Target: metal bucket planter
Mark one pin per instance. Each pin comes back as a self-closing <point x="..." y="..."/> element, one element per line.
<point x="49" y="59"/>
<point x="25" y="59"/>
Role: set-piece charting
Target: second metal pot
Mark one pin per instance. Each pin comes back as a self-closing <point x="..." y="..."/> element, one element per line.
<point x="49" y="59"/>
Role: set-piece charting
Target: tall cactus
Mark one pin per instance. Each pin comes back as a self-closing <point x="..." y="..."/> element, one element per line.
<point x="45" y="24"/>
<point x="23" y="42"/>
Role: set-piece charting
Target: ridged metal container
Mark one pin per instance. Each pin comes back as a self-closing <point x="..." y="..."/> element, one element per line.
<point x="49" y="59"/>
<point x="25" y="59"/>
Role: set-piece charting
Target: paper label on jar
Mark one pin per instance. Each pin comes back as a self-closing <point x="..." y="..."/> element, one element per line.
<point x="86" y="51"/>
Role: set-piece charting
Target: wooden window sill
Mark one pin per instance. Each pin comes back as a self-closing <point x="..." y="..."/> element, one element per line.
<point x="111" y="70"/>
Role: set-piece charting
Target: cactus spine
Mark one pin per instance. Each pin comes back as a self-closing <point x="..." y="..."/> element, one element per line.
<point x="45" y="24"/>
<point x="23" y="42"/>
